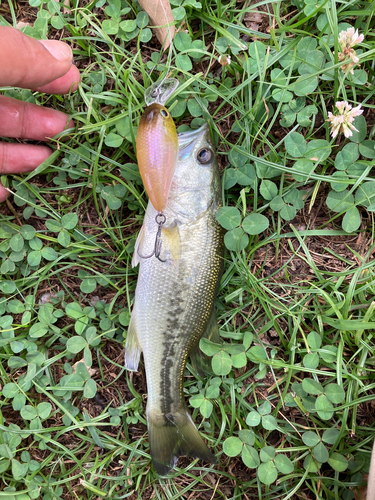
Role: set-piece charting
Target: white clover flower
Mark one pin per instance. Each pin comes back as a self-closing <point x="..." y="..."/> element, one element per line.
<point x="347" y="40"/>
<point x="224" y="60"/>
<point x="343" y="123"/>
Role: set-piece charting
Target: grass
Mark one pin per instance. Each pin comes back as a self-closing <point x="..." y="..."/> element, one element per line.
<point x="288" y="410"/>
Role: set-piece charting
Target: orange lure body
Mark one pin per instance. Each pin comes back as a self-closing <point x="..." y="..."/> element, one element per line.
<point x="157" y="153"/>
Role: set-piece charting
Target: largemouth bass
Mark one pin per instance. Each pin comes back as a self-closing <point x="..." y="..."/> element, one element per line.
<point x="157" y="151"/>
<point x="174" y="298"/>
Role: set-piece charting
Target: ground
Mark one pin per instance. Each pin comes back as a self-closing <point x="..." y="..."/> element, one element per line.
<point x="295" y="305"/>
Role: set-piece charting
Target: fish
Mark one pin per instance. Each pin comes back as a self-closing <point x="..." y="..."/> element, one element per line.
<point x="174" y="303"/>
<point x="157" y="152"/>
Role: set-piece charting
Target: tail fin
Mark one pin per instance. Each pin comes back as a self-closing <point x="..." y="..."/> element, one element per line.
<point x="172" y="436"/>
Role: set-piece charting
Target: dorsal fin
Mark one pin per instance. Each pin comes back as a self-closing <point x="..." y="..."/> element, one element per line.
<point x="200" y="361"/>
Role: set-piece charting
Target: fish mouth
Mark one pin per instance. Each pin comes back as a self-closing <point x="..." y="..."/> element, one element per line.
<point x="187" y="140"/>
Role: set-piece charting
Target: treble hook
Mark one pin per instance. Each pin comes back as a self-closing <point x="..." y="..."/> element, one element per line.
<point x="160" y="220"/>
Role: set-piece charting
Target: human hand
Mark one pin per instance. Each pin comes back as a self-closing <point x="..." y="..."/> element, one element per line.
<point x="46" y="66"/>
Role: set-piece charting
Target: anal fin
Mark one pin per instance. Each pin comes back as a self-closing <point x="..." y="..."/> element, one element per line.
<point x="132" y="348"/>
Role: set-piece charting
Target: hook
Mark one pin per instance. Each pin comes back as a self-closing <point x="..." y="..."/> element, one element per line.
<point x="160" y="220"/>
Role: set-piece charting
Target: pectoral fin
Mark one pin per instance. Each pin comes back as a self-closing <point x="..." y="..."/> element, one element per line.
<point x="200" y="361"/>
<point x="171" y="242"/>
<point x="132" y="348"/>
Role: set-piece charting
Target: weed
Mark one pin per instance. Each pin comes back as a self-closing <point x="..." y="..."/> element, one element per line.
<point x="288" y="408"/>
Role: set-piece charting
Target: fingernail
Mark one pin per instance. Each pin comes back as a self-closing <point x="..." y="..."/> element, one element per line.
<point x="59" y="50"/>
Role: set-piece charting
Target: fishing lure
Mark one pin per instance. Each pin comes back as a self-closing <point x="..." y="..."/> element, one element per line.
<point x="157" y="150"/>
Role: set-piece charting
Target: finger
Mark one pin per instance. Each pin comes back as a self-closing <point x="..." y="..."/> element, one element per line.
<point x="63" y="85"/>
<point x="20" y="158"/>
<point x="29" y="121"/>
<point x="29" y="63"/>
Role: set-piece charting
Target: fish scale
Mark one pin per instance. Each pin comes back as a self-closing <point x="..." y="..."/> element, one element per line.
<point x="175" y="297"/>
<point x="198" y="297"/>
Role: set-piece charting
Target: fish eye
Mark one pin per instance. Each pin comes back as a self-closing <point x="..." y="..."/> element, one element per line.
<point x="164" y="113"/>
<point x="204" y="156"/>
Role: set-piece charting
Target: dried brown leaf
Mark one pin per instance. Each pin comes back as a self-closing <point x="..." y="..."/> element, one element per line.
<point x="67" y="9"/>
<point x="91" y="371"/>
<point x="160" y="14"/>
<point x="253" y="20"/>
<point x="360" y="493"/>
<point x="22" y="24"/>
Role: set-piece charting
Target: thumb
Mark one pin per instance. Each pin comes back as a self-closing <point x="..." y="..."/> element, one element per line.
<point x="29" y="63"/>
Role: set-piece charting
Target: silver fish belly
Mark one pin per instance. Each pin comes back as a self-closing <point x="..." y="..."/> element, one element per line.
<point x="174" y="299"/>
